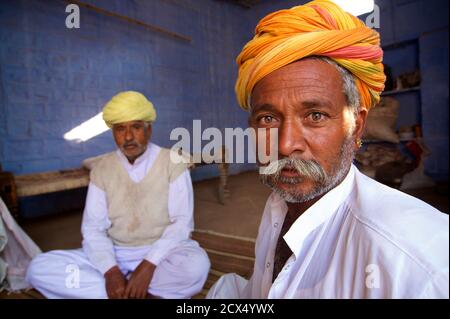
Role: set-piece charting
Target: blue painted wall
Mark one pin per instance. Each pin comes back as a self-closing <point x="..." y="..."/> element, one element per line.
<point x="425" y="24"/>
<point x="53" y="78"/>
<point x="434" y="66"/>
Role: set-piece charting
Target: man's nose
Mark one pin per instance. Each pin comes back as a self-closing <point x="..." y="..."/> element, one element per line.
<point x="129" y="136"/>
<point x="291" y="139"/>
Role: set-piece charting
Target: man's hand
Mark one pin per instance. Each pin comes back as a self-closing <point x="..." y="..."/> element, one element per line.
<point x="115" y="283"/>
<point x="139" y="281"/>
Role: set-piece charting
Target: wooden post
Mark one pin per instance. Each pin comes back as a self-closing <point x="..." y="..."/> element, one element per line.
<point x="224" y="191"/>
<point x="8" y="193"/>
<point x="131" y="20"/>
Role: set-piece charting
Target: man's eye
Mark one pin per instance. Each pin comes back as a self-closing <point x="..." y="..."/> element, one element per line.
<point x="317" y="116"/>
<point x="267" y="119"/>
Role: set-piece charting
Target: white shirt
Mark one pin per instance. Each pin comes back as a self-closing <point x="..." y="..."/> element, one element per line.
<point x="360" y="240"/>
<point x="96" y="242"/>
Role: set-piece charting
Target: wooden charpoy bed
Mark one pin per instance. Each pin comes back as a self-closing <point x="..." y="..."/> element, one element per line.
<point x="12" y="188"/>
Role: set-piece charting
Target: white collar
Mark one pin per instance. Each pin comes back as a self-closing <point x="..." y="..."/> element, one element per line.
<point x="318" y="213"/>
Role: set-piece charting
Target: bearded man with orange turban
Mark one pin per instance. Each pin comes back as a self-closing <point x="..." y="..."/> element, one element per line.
<point x="136" y="224"/>
<point x="312" y="73"/>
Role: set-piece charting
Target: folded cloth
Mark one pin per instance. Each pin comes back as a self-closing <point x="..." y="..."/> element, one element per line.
<point x="17" y="249"/>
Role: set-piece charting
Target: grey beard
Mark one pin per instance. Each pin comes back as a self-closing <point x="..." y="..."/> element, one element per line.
<point x="307" y="169"/>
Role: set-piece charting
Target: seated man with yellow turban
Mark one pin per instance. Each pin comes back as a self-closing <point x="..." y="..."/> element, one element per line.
<point x="312" y="73"/>
<point x="136" y="224"/>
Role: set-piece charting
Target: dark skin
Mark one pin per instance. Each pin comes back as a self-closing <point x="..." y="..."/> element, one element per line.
<point x="132" y="139"/>
<point x="115" y="283"/>
<point x="137" y="287"/>
<point x="117" y="286"/>
<point x="305" y="102"/>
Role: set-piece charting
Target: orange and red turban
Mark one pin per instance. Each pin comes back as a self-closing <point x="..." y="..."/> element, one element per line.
<point x="319" y="28"/>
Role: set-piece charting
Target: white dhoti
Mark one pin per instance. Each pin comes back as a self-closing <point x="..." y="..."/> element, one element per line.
<point x="69" y="273"/>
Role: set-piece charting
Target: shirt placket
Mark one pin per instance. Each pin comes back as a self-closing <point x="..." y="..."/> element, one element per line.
<point x="280" y="284"/>
<point x="275" y="229"/>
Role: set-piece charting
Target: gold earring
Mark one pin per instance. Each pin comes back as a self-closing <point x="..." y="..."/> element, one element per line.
<point x="359" y="142"/>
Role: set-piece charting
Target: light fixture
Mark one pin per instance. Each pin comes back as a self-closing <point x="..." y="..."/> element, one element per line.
<point x="87" y="130"/>
<point x="356" y="7"/>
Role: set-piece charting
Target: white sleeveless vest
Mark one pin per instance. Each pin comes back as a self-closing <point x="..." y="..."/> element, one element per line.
<point x="138" y="211"/>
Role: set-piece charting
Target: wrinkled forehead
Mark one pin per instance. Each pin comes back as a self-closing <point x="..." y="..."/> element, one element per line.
<point x="130" y="123"/>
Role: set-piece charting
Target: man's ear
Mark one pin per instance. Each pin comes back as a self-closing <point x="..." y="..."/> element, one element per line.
<point x="360" y="122"/>
<point x="149" y="129"/>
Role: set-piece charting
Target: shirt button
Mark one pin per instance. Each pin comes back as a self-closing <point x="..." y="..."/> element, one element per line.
<point x="268" y="265"/>
<point x="275" y="225"/>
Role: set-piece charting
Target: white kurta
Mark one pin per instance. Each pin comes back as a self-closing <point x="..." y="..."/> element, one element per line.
<point x="360" y="240"/>
<point x="182" y="266"/>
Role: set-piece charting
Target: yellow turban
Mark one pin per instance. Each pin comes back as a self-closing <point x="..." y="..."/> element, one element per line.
<point x="317" y="28"/>
<point x="128" y="106"/>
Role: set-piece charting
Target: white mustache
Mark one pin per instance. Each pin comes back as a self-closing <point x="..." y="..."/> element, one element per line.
<point x="307" y="168"/>
<point x="130" y="144"/>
